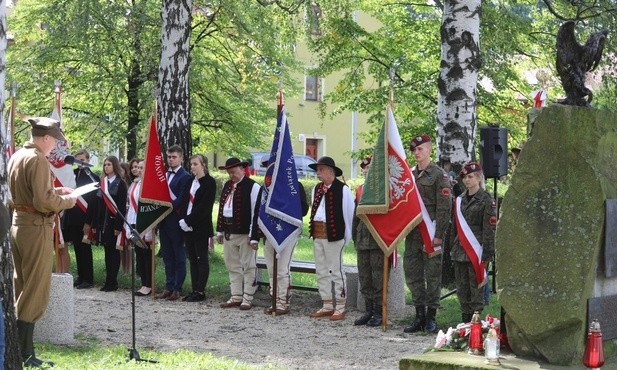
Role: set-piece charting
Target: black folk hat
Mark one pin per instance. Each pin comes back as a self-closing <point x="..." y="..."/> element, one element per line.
<point x="327" y="161"/>
<point x="233" y="162"/>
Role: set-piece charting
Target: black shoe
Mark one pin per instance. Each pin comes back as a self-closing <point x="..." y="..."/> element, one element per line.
<point x="84" y="285"/>
<point x="109" y="288"/>
<point x="140" y="294"/>
<point x="104" y="288"/>
<point x="194" y="297"/>
<point x="77" y="282"/>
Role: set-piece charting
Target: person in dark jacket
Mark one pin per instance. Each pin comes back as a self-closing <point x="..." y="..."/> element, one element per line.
<point x="73" y="224"/>
<point x="197" y="202"/>
<point x="104" y="221"/>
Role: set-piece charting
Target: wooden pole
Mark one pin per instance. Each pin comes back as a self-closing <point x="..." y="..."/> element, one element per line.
<point x="275" y="277"/>
<point x="384" y="299"/>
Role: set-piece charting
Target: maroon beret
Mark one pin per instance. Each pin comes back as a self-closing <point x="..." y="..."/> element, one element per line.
<point x="470" y="168"/>
<point x="419" y="139"/>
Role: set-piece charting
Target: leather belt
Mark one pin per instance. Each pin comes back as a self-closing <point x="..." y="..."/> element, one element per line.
<point x="228" y="221"/>
<point x="318" y="230"/>
<point x="30" y="209"/>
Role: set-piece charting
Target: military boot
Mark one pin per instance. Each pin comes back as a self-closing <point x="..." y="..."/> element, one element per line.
<point x="362" y="320"/>
<point x="377" y="317"/>
<point x="419" y="322"/>
<point x="26" y="345"/>
<point x="431" y="325"/>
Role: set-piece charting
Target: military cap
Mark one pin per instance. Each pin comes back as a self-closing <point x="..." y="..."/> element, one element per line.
<point x="470" y="167"/>
<point x="419" y="139"/>
<point x="42" y="126"/>
<point x="233" y="162"/>
<point x="327" y="161"/>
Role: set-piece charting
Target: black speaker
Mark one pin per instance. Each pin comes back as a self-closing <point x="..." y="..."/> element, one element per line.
<point x="494" y="151"/>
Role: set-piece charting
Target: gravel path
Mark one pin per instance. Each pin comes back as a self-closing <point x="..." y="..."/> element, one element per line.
<point x="292" y="341"/>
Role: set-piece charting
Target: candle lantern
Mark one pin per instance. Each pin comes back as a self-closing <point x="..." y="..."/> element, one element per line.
<point x="594" y="352"/>
<point x="491" y="347"/>
<point x="475" y="336"/>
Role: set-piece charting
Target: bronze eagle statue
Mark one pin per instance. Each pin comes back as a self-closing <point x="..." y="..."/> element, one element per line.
<point x="575" y="60"/>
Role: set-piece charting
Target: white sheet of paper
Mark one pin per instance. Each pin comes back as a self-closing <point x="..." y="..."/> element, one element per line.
<point x="84" y="190"/>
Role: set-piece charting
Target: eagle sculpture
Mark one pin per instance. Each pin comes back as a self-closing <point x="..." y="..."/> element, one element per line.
<point x="575" y="60"/>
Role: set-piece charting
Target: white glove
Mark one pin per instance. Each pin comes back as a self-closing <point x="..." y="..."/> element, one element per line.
<point x="184" y="226"/>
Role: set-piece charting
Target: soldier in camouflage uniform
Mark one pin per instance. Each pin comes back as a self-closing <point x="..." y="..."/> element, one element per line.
<point x="370" y="264"/>
<point x="478" y="210"/>
<point x="423" y="270"/>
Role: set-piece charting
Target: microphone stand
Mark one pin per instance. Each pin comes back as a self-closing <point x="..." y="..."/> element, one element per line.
<point x="136" y="241"/>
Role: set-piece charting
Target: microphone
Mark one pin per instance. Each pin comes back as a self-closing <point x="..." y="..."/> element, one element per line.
<point x="69" y="159"/>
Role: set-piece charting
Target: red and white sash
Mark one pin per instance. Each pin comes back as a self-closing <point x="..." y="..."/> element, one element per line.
<point x="111" y="207"/>
<point x="470" y="243"/>
<point x="192" y="192"/>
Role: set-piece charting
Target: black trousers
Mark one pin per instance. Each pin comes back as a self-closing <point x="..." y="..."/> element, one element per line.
<point x="197" y="254"/>
<point x="83" y="253"/>
<point x="112" y="265"/>
<point x="143" y="260"/>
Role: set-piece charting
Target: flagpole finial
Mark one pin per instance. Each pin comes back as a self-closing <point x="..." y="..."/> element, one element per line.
<point x="14" y="89"/>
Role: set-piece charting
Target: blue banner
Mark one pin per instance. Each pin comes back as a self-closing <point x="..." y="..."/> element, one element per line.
<point x="280" y="211"/>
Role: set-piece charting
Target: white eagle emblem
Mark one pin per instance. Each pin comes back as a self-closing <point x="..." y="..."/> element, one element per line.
<point x="398" y="185"/>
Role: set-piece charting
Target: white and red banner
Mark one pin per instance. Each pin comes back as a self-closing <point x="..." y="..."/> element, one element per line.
<point x="470" y="243"/>
<point x="63" y="172"/>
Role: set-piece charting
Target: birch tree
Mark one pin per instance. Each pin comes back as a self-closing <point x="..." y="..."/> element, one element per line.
<point x="458" y="76"/>
<point x="174" y="110"/>
<point x="12" y="356"/>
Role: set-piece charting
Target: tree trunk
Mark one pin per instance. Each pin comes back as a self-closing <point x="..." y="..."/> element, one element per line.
<point x="460" y="62"/>
<point x="174" y="103"/>
<point x="135" y="81"/>
<point x="12" y="356"/>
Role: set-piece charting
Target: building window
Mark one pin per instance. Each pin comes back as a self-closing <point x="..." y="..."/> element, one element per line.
<point x="314" y="17"/>
<point x="313" y="88"/>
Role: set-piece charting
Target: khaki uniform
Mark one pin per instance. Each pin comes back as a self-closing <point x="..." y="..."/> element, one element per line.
<point x="36" y="202"/>
<point x="479" y="212"/>
<point x="370" y="262"/>
<point x="423" y="273"/>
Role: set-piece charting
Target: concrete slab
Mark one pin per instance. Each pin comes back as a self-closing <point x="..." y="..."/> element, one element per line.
<point x="462" y="360"/>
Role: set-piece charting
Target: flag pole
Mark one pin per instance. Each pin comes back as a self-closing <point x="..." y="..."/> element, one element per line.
<point x="153" y="244"/>
<point x="274" y="271"/>
<point x="386" y="261"/>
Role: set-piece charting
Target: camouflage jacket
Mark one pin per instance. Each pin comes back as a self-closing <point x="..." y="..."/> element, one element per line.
<point x="435" y="190"/>
<point x="479" y="212"/>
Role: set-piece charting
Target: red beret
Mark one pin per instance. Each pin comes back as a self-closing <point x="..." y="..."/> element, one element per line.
<point x="419" y="139"/>
<point x="470" y="168"/>
<point x="365" y="162"/>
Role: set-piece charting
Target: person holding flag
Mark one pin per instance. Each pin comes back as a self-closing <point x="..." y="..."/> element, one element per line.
<point x="330" y="227"/>
<point x="103" y="219"/>
<point x="474" y="242"/>
<point x="370" y="264"/>
<point x="283" y="276"/>
<point x="233" y="228"/>
<point x="423" y="245"/>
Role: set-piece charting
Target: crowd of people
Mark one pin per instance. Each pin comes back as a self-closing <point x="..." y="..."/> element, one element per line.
<point x="187" y="232"/>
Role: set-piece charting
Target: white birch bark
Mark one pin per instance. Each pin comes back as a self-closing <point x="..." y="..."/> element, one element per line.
<point x="460" y="62"/>
<point x="174" y="100"/>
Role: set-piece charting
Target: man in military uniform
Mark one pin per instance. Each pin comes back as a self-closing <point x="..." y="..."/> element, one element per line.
<point x="35" y="202"/>
<point x="370" y="264"/>
<point x="423" y="269"/>
<point x="233" y="227"/>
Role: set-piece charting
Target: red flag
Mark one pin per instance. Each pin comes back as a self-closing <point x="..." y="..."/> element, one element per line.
<point x="388" y="205"/>
<point x="154" y="198"/>
<point x="63" y="172"/>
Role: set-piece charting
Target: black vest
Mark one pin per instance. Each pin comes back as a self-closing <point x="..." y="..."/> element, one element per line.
<point x="241" y="206"/>
<point x="335" y="223"/>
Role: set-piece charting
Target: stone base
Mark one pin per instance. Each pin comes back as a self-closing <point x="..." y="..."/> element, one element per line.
<point x="462" y="360"/>
<point x="396" y="292"/>
<point x="58" y="324"/>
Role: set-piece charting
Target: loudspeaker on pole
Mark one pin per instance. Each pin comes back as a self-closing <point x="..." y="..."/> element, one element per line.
<point x="494" y="151"/>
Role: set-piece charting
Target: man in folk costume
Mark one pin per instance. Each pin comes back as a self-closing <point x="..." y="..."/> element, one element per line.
<point x="233" y="227"/>
<point x="283" y="276"/>
<point x="73" y="224"/>
<point x="474" y="242"/>
<point x="423" y="253"/>
<point x="330" y="227"/>
<point x="170" y="233"/>
<point x="35" y="202"/>
<point x="370" y="264"/>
